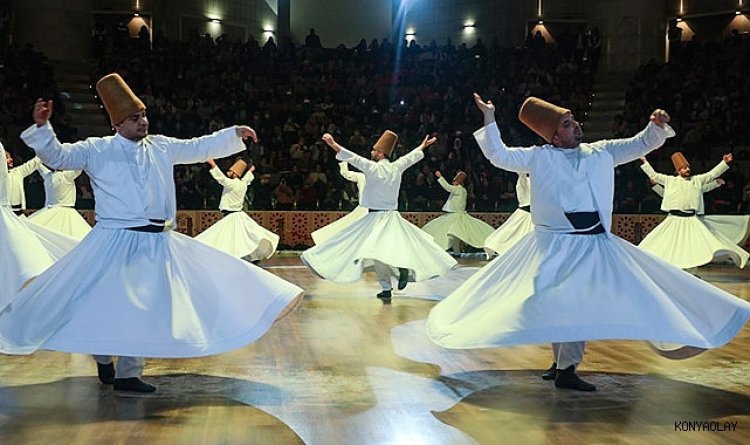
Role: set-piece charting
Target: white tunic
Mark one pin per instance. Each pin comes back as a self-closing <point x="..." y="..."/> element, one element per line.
<point x="25" y="250"/>
<point x="558" y="286"/>
<point x="59" y="213"/>
<point x="17" y="195"/>
<point x="457" y="225"/>
<point x="518" y="223"/>
<point x="684" y="194"/>
<point x="686" y="241"/>
<point x="235" y="189"/>
<point x="324" y="233"/>
<point x="133" y="293"/>
<point x="237" y="234"/>
<point x="382" y="236"/>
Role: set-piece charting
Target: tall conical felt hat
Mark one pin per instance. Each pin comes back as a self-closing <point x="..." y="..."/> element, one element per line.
<point x="542" y="117"/>
<point x="118" y="99"/>
<point x="386" y="143"/>
<point x="239" y="167"/>
<point x="679" y="161"/>
<point x="460" y="176"/>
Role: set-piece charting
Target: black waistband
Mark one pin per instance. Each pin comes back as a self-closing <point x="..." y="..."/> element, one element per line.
<point x="381" y="210"/>
<point x="156" y="226"/>
<point x="151" y="228"/>
<point x="525" y="208"/>
<point x="18" y="212"/>
<point x="583" y="220"/>
<point x="681" y="213"/>
<point x="16" y="206"/>
<point x="227" y="212"/>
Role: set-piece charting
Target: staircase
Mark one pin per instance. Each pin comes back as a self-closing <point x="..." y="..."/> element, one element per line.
<point x="608" y="101"/>
<point x="81" y="103"/>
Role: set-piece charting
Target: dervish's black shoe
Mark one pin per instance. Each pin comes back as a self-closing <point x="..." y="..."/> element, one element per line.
<point x="403" y="277"/>
<point x="567" y="378"/>
<point x="385" y="297"/>
<point x="551" y="373"/>
<point x="106" y="373"/>
<point x="133" y="384"/>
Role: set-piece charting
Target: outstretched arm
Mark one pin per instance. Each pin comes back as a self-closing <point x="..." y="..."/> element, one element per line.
<point x="649" y="139"/>
<point x="717" y="171"/>
<point x="658" y="178"/>
<point x="342" y="154"/>
<point x="494" y="149"/>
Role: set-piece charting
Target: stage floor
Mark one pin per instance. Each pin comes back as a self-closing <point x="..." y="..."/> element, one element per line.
<point x="345" y="369"/>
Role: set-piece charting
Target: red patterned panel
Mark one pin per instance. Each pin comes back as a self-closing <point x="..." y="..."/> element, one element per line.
<point x="624" y="226"/>
<point x="204" y="220"/>
<point x="429" y="216"/>
<point x="277" y="223"/>
<point x="647" y="224"/>
<point x="300" y="224"/>
<point x="412" y="217"/>
<point x="186" y="223"/>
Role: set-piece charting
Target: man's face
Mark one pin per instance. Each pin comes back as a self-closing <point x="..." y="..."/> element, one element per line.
<point x="684" y="171"/>
<point x="8" y="160"/>
<point x="569" y="133"/>
<point x="231" y="174"/>
<point x="135" y="127"/>
<point x="376" y="155"/>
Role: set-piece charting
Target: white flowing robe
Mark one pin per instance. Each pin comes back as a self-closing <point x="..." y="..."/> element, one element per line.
<point x="558" y="286"/>
<point x="236" y="233"/>
<point x="134" y="293"/>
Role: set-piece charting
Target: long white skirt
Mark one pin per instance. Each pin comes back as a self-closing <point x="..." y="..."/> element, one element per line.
<point x="735" y="228"/>
<point x="240" y="236"/>
<point x="65" y="220"/>
<point x="451" y="227"/>
<point x="686" y="242"/>
<point x="121" y="292"/>
<point x="26" y="250"/>
<point x="382" y="236"/>
<point x="327" y="232"/>
<point x="553" y="287"/>
<point x="509" y="233"/>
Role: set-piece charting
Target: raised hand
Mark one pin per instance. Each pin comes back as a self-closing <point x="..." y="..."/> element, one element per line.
<point x="438" y="174"/>
<point x="331" y="142"/>
<point x="427" y="142"/>
<point x="42" y="111"/>
<point x="252" y="168"/>
<point x="728" y="158"/>
<point x="660" y="117"/>
<point x="244" y="132"/>
<point x="211" y="163"/>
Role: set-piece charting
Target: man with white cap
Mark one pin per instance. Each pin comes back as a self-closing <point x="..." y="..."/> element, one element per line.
<point x="134" y="287"/>
<point x="236" y="233"/>
<point x="382" y="239"/>
<point x="682" y="239"/>
<point x="457" y="226"/>
<point x="571" y="280"/>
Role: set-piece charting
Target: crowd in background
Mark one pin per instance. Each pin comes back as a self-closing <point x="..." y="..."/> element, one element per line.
<point x="292" y="94"/>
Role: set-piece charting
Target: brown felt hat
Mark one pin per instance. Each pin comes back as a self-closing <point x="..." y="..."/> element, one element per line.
<point x="239" y="167"/>
<point x="542" y="117"/>
<point x="679" y="161"/>
<point x="118" y="99"/>
<point x="460" y="177"/>
<point x="386" y="143"/>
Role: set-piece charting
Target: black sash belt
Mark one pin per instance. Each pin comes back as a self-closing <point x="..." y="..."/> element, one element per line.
<point x="583" y="220"/>
<point x="227" y="212"/>
<point x="381" y="210"/>
<point x="525" y="208"/>
<point x="17" y="209"/>
<point x="156" y="226"/>
<point x="681" y="213"/>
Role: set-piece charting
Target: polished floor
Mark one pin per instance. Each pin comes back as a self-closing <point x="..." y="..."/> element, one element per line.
<point x="344" y="369"/>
